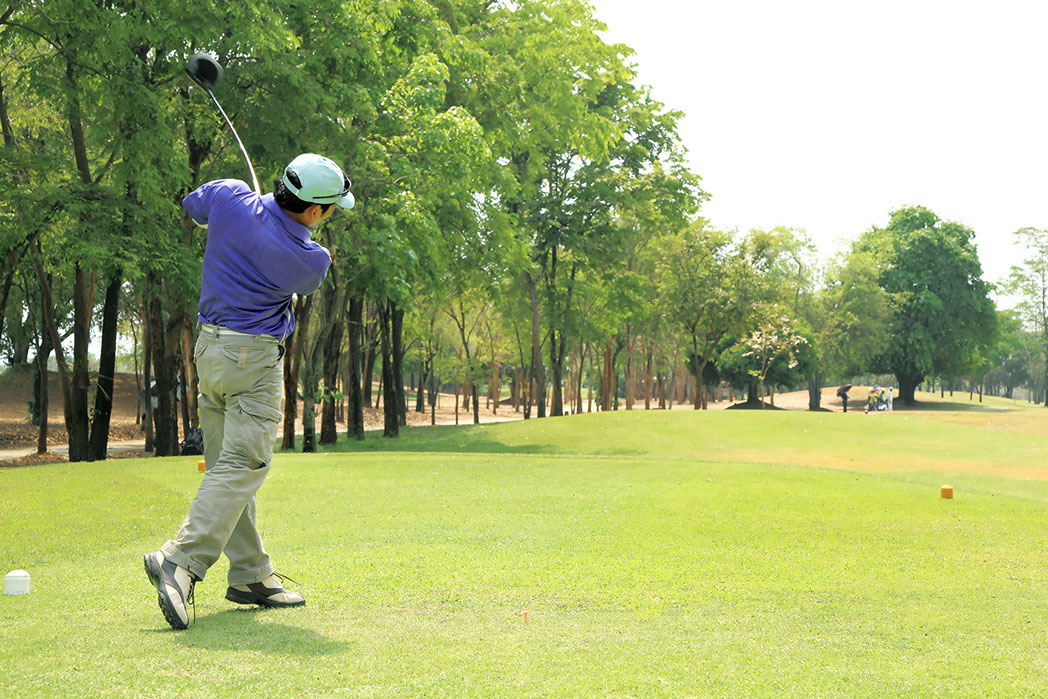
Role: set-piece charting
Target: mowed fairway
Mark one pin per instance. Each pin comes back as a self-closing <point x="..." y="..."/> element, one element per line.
<point x="654" y="555"/>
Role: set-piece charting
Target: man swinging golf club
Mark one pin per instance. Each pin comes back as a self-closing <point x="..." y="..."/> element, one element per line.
<point x="258" y="254"/>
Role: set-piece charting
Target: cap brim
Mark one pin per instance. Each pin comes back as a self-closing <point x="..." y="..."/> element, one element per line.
<point x="347" y="201"/>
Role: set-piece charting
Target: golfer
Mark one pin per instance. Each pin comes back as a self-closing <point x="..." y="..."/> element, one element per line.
<point x="258" y="254"/>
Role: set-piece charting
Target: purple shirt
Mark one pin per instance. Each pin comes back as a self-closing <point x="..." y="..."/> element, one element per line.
<point x="256" y="258"/>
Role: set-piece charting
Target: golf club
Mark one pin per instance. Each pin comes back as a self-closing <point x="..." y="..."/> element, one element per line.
<point x="206" y="72"/>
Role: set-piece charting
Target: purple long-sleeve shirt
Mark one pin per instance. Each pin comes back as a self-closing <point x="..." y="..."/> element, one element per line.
<point x="256" y="258"/>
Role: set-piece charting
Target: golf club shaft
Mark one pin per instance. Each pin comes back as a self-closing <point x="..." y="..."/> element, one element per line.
<point x="254" y="178"/>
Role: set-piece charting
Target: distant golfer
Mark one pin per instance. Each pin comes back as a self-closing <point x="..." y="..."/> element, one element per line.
<point x="258" y="254"/>
<point x="842" y="393"/>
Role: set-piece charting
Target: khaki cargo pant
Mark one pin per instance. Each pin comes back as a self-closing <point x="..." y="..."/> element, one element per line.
<point x="241" y="388"/>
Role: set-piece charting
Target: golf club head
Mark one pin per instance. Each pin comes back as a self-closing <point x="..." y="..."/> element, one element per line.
<point x="204" y="70"/>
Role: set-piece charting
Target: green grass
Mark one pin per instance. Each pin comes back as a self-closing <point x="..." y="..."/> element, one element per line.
<point x="655" y="554"/>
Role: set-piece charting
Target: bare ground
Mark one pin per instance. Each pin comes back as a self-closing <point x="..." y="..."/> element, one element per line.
<point x="16" y="430"/>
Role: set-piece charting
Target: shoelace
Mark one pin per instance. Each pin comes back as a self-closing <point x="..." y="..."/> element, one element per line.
<point x="191" y="597"/>
<point x="282" y="578"/>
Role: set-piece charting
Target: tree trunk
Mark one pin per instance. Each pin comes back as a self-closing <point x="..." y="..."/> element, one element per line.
<point x="78" y="428"/>
<point x="76" y="409"/>
<point x="332" y="359"/>
<point x="5" y="289"/>
<point x="147" y="378"/>
<point x="99" y="441"/>
<point x="42" y="396"/>
<point x="397" y="332"/>
<point x="556" y="355"/>
<point x="287" y="438"/>
<point x="514" y="389"/>
<point x="309" y="412"/>
<point x="697" y="398"/>
<point x="589" y="388"/>
<point x="331" y="307"/>
<point x="752" y="397"/>
<point x="47" y="307"/>
<point x="310" y="378"/>
<point x="538" y="373"/>
<point x="495" y="387"/>
<point x="582" y="367"/>
<point x="371" y="345"/>
<point x="907" y="386"/>
<point x="1044" y="338"/>
<point x="526" y="390"/>
<point x="192" y="379"/>
<point x="648" y="361"/>
<point x="434" y="387"/>
<point x="293" y="351"/>
<point x="629" y="368"/>
<point x="606" y="378"/>
<point x="814" y="391"/>
<point x="165" y="342"/>
<point x="356" y="395"/>
<point x="390" y="412"/>
<point x="420" y="395"/>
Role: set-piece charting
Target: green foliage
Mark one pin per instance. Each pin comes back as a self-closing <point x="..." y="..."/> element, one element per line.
<point x="852" y="314"/>
<point x="708" y="287"/>
<point x="942" y="316"/>
<point x="742" y="366"/>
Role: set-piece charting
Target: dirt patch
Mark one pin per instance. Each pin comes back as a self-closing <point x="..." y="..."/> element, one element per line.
<point x="34" y="459"/>
<point x="16" y="392"/>
<point x="16" y="430"/>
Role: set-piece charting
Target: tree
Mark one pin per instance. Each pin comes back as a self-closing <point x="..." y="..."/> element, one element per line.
<point x="942" y="314"/>
<point x="742" y="367"/>
<point x="708" y="288"/>
<point x="1029" y="281"/>
<point x="852" y="314"/>
<point x="774" y="338"/>
<point x="1007" y="365"/>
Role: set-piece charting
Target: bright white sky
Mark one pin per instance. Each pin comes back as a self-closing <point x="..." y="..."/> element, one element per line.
<point x="827" y="115"/>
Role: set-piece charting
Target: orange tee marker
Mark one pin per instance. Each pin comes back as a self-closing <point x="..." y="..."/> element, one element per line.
<point x="946" y="492"/>
<point x="201" y="465"/>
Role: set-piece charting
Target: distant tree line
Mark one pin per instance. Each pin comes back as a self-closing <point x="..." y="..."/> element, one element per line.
<point x="525" y="220"/>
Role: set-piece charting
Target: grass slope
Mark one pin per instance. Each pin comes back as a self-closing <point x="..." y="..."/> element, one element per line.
<point x="997" y="437"/>
<point x="656" y="555"/>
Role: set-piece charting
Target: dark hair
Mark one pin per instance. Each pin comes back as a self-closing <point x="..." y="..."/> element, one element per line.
<point x="288" y="201"/>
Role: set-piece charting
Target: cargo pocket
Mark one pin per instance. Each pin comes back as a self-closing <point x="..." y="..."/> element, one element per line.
<point x="251" y="355"/>
<point x="254" y="429"/>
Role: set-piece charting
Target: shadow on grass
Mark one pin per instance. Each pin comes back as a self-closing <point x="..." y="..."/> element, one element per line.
<point x="441" y="438"/>
<point x="471" y="443"/>
<point x="921" y="406"/>
<point x="239" y="629"/>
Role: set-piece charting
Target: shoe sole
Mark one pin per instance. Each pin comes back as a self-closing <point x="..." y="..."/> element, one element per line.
<point x="152" y="572"/>
<point x="162" y="600"/>
<point x="234" y="595"/>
